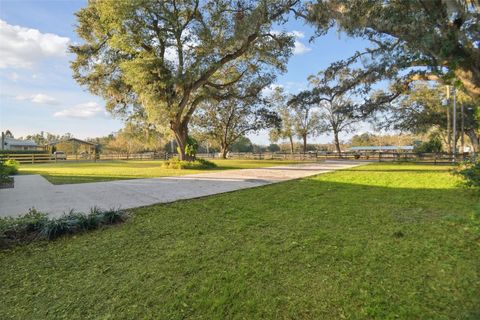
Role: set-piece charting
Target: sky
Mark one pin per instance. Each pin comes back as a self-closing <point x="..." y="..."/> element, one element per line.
<point x="38" y="93"/>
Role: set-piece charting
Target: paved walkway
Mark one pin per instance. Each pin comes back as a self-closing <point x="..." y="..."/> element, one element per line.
<point x="35" y="191"/>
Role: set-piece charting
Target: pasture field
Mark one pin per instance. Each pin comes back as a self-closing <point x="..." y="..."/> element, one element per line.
<point x="380" y="241"/>
<point x="81" y="172"/>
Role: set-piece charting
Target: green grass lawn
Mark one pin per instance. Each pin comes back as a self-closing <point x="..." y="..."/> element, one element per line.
<point x="380" y="241"/>
<point x="80" y="172"/>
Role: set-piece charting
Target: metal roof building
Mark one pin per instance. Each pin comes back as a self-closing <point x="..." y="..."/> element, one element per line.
<point x="381" y="148"/>
<point x="17" y="144"/>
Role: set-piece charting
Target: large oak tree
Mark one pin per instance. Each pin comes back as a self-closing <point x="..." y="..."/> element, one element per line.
<point x="164" y="58"/>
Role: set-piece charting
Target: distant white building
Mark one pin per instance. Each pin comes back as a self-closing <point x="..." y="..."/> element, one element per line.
<point x="381" y="148"/>
<point x="17" y="144"/>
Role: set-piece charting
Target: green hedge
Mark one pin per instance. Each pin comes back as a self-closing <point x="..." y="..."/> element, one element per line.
<point x="175" y="163"/>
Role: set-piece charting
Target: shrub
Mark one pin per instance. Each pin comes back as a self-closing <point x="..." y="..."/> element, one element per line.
<point x="55" y="228"/>
<point x="434" y="145"/>
<point x="470" y="172"/>
<point x="175" y="163"/>
<point x="191" y="148"/>
<point x="4" y="176"/>
<point x="112" y="216"/>
<point x="85" y="221"/>
<point x="35" y="225"/>
<point x="25" y="227"/>
<point x="11" y="167"/>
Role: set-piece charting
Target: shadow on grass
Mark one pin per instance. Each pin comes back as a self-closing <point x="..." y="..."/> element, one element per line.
<point x="398" y="170"/>
<point x="72" y="179"/>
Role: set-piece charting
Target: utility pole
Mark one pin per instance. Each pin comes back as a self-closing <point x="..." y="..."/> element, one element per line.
<point x="462" y="129"/>
<point x="454" y="124"/>
<point x="449" y="141"/>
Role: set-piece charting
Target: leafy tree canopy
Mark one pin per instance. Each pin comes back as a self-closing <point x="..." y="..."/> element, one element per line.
<point x="424" y="108"/>
<point x="241" y="111"/>
<point x="164" y="58"/>
<point x="286" y="130"/>
<point x="413" y="39"/>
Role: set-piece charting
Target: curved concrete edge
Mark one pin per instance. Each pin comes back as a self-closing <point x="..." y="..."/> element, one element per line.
<point x="34" y="191"/>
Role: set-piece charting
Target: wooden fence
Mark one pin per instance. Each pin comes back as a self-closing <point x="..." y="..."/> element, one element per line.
<point x="435" y="158"/>
<point x="28" y="158"/>
<point x="359" y="156"/>
<point x="45" y="157"/>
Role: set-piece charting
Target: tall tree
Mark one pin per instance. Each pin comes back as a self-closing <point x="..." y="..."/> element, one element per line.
<point x="167" y="57"/>
<point x="370" y="139"/>
<point x="47" y="137"/>
<point x="334" y="95"/>
<point x="415" y="39"/>
<point x="243" y="144"/>
<point x="305" y="116"/>
<point x="240" y="112"/>
<point x="286" y="129"/>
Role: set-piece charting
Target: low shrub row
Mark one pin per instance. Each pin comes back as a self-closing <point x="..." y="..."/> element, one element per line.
<point x="175" y="163"/>
<point x="38" y="226"/>
<point x="23" y="152"/>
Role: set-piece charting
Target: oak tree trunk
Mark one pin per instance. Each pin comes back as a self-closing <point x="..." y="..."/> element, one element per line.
<point x="291" y="144"/>
<point x="337" y="143"/>
<point x="472" y="135"/>
<point x="181" y="135"/>
<point x="224" y="152"/>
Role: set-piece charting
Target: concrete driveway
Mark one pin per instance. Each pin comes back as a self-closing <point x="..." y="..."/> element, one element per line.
<point x="34" y="191"/>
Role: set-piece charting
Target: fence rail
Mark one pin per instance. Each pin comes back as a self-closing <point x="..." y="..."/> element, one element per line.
<point x="435" y="158"/>
<point x="45" y="157"/>
<point x="359" y="156"/>
<point x="28" y="158"/>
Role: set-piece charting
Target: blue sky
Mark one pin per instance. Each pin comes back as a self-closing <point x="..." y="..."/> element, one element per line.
<point x="37" y="92"/>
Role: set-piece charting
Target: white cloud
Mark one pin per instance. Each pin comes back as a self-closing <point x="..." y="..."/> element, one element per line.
<point x="39" y="98"/>
<point x="22" y="47"/>
<point x="43" y="99"/>
<point x="268" y="91"/>
<point x="81" y="111"/>
<point x="299" y="47"/>
<point x="298" y="34"/>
